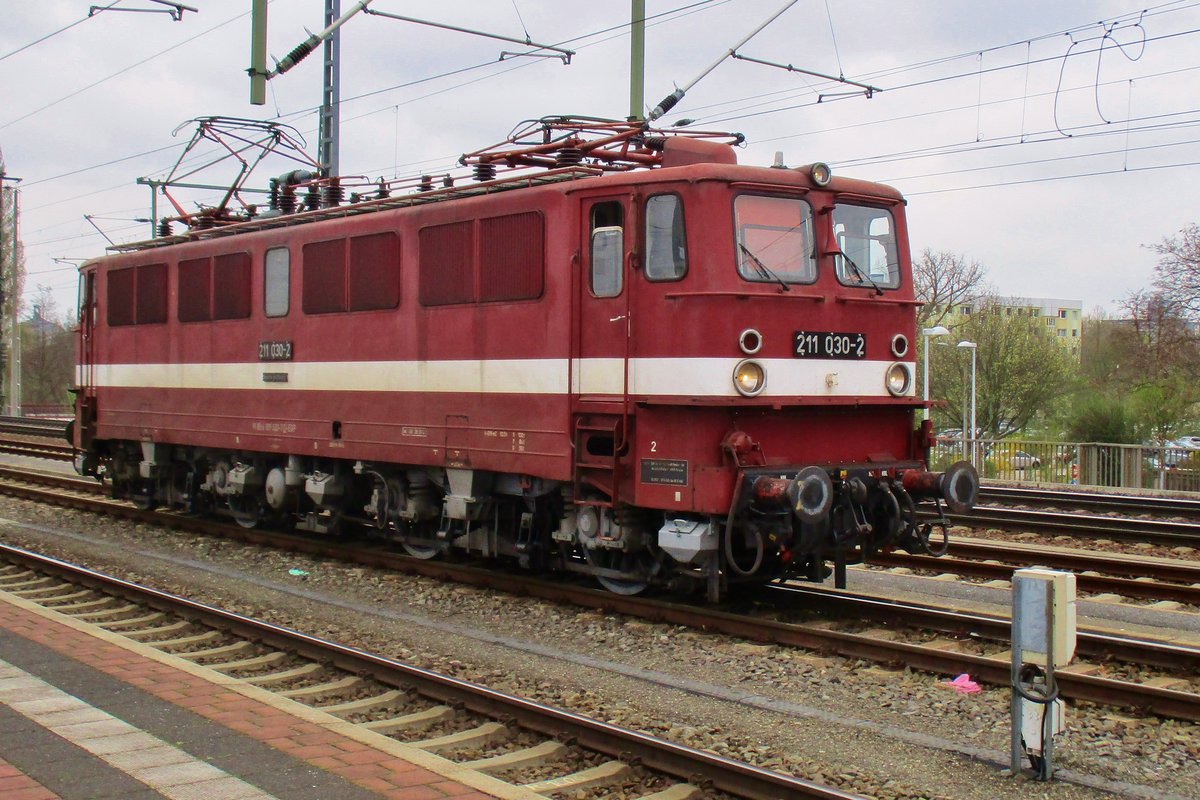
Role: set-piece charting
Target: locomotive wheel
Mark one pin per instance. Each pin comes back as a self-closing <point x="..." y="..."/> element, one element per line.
<point x="417" y="539"/>
<point x="638" y="563"/>
<point x="144" y="499"/>
<point x="246" y="513"/>
<point x="421" y="551"/>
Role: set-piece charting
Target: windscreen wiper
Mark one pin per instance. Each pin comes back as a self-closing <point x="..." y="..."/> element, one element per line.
<point x="862" y="276"/>
<point x="763" y="269"/>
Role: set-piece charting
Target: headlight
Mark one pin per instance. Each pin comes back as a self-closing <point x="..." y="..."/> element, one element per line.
<point x="821" y="173"/>
<point x="899" y="379"/>
<point x="899" y="345"/>
<point x="750" y="341"/>
<point x="749" y="378"/>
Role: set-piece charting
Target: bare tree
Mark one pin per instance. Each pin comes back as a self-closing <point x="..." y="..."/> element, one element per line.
<point x="47" y="354"/>
<point x="1163" y="342"/>
<point x="943" y="281"/>
<point x="1177" y="276"/>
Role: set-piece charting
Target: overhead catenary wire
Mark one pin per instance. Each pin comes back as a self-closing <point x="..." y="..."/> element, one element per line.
<point x="1051" y="178"/>
<point x="63" y="29"/>
<point x="1176" y="5"/>
<point x="732" y="117"/>
<point x="121" y="71"/>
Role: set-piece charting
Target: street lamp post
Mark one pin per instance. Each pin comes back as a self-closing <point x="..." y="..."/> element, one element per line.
<point x="937" y="330"/>
<point x="972" y="346"/>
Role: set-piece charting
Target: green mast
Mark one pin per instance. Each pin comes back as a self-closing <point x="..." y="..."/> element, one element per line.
<point x="637" y="59"/>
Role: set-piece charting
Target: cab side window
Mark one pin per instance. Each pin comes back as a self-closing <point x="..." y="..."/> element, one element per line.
<point x="607" y="249"/>
<point x="666" y="240"/>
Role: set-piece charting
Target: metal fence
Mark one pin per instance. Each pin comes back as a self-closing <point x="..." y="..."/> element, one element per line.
<point x="1130" y="466"/>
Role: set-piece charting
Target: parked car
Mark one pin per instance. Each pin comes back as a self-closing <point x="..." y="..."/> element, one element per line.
<point x="1190" y="442"/>
<point x="1021" y="460"/>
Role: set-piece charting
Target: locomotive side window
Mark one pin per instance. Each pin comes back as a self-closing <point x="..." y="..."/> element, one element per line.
<point x="195" y="287"/>
<point x="120" y="296"/>
<point x="775" y="242"/>
<point x="511" y="258"/>
<point x="446" y="268"/>
<point x="508" y="265"/>
<point x="666" y="242"/>
<point x="374" y="271"/>
<point x="151" y="294"/>
<point x="276" y="282"/>
<point x="324" y="266"/>
<point x="866" y="240"/>
<point x="231" y="286"/>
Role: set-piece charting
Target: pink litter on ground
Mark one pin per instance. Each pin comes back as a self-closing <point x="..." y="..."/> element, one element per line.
<point x="963" y="684"/>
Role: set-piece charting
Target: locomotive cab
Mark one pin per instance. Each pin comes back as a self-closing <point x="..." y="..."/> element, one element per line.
<point x="766" y="386"/>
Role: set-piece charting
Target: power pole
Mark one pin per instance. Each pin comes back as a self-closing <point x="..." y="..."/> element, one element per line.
<point x="11" y="279"/>
<point x="258" y="52"/>
<point x="637" y="59"/>
<point x="330" y="93"/>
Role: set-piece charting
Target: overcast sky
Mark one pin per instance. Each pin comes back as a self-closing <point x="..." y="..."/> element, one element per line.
<point x="1049" y="141"/>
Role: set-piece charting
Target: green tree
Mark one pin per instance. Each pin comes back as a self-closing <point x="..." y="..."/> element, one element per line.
<point x="1102" y="418"/>
<point x="1155" y="359"/>
<point x="1020" y="371"/>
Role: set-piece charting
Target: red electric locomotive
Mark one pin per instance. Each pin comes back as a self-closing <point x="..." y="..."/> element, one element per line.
<point x="614" y="351"/>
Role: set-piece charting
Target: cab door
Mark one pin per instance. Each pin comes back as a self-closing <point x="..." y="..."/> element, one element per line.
<point x="85" y="358"/>
<point x="604" y="301"/>
<point x="600" y="368"/>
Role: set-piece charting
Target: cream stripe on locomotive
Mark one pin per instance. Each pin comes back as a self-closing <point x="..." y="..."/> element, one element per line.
<point x="690" y="377"/>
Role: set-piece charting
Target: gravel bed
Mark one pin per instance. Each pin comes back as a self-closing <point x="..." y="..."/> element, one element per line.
<point x="858" y="728"/>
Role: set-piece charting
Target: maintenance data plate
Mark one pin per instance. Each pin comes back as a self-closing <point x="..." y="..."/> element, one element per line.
<point x="825" y="344"/>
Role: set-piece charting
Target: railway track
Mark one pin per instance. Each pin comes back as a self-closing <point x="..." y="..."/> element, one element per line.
<point x="35" y="446"/>
<point x="1084" y="526"/>
<point x="1099" y="501"/>
<point x="1158" y="694"/>
<point x="34" y="426"/>
<point x="1096" y="573"/>
<point x="477" y="728"/>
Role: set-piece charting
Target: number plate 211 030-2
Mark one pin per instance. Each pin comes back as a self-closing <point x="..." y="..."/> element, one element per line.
<point x="823" y="344"/>
<point x="274" y="351"/>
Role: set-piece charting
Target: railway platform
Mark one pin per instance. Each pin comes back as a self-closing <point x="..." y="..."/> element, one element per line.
<point x="88" y="715"/>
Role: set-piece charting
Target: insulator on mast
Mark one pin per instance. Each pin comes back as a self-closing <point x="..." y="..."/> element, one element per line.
<point x="332" y="194"/>
<point x="485" y="171"/>
<point x="312" y="198"/>
<point x="287" y="200"/>
<point x="568" y="157"/>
